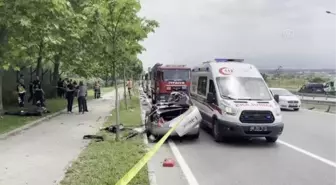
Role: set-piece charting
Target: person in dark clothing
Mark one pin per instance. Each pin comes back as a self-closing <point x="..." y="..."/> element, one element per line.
<point x="65" y="84"/>
<point x="76" y="88"/>
<point x="21" y="90"/>
<point x="31" y="91"/>
<point x="38" y="111"/>
<point x="60" y="90"/>
<point x="70" y="94"/>
<point x="39" y="96"/>
<point x="82" y="93"/>
<point x="97" y="90"/>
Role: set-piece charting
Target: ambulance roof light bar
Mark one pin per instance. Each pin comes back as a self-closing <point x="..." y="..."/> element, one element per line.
<point x="228" y="60"/>
<point x="170" y="65"/>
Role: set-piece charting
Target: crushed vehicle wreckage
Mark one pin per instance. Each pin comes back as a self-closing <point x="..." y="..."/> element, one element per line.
<point x="179" y="109"/>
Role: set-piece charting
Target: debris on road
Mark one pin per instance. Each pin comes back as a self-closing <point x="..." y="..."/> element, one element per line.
<point x="97" y="138"/>
<point x="168" y="163"/>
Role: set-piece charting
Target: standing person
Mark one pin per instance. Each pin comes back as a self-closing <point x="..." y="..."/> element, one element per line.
<point x="97" y="90"/>
<point x="82" y="93"/>
<point x="39" y="96"/>
<point x="65" y="84"/>
<point x="70" y="96"/>
<point x="76" y="88"/>
<point x="129" y="86"/>
<point x="21" y="90"/>
<point x="31" y="91"/>
<point x="36" y="86"/>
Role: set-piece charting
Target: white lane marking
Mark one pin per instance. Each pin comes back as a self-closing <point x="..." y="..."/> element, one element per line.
<point x="325" y="161"/>
<point x="184" y="166"/>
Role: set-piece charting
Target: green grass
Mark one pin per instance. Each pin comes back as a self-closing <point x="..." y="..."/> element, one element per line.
<point x="290" y="84"/>
<point x="106" y="162"/>
<point x="8" y="123"/>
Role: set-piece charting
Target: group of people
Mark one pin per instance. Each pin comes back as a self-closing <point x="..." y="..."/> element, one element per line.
<point x="70" y="89"/>
<point x="35" y="91"/>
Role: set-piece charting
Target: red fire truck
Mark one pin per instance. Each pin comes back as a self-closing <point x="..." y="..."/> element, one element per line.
<point x="168" y="78"/>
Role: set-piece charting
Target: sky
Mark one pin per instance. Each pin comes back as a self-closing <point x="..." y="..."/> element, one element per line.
<point x="266" y="33"/>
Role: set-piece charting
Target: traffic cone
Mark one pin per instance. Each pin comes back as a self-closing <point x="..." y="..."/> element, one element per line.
<point x="168" y="163"/>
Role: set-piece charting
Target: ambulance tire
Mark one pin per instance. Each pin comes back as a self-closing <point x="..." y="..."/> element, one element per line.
<point x="215" y="132"/>
<point x="271" y="139"/>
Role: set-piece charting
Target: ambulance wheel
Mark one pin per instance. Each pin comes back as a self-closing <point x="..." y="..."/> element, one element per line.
<point x="271" y="139"/>
<point x="215" y="132"/>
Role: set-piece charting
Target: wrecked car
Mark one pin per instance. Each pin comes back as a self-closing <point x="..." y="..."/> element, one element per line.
<point x="164" y="115"/>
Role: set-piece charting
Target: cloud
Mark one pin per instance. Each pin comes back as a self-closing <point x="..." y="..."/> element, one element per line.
<point x="265" y="33"/>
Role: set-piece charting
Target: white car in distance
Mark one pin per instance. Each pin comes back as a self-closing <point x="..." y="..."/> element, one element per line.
<point x="287" y="100"/>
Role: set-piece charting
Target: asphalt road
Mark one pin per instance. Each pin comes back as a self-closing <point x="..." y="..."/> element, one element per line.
<point x="257" y="162"/>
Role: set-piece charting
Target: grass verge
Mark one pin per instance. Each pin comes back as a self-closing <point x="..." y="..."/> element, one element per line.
<point x="106" y="162"/>
<point x="8" y="123"/>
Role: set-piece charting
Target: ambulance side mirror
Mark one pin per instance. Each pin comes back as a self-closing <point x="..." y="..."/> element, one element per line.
<point x="276" y="98"/>
<point x="210" y="97"/>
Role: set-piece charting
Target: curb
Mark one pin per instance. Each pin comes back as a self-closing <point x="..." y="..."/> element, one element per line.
<point x="36" y="122"/>
<point x="151" y="171"/>
<point x="32" y="124"/>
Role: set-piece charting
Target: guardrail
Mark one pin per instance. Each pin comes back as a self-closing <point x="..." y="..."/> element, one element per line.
<point x="316" y="104"/>
<point x="327" y="102"/>
<point x="314" y="95"/>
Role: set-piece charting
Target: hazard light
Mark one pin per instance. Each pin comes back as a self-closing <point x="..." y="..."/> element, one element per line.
<point x="228" y="60"/>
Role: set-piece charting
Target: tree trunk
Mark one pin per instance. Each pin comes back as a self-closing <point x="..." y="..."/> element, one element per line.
<point x="116" y="101"/>
<point x="56" y="75"/>
<point x="106" y="81"/>
<point x="1" y="76"/>
<point x="31" y="73"/>
<point x="125" y="92"/>
<point x="3" y="44"/>
<point x="39" y="60"/>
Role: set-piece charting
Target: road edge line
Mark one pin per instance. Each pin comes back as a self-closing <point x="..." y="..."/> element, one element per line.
<point x="150" y="169"/>
<point x="183" y="164"/>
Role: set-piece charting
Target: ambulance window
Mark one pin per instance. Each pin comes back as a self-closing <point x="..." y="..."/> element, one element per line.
<point x="212" y="88"/>
<point x="201" y="86"/>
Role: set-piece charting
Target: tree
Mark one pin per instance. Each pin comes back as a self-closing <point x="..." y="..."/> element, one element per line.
<point x="119" y="27"/>
<point x="88" y="37"/>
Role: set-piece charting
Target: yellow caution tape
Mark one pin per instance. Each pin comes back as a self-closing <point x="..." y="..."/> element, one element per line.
<point x="141" y="163"/>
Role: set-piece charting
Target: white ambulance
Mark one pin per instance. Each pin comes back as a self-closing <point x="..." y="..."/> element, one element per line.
<point x="234" y="100"/>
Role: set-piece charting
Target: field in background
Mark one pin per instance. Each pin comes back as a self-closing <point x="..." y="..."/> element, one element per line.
<point x="293" y="84"/>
